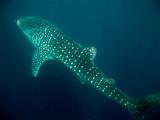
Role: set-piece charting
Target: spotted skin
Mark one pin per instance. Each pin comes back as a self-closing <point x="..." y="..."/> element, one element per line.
<point x="51" y="43"/>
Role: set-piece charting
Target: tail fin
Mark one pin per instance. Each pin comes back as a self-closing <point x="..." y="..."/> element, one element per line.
<point x="143" y="104"/>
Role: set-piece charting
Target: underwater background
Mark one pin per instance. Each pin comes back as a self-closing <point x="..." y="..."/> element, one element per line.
<point x="126" y="35"/>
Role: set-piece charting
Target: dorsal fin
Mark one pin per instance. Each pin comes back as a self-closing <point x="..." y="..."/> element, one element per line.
<point x="92" y="51"/>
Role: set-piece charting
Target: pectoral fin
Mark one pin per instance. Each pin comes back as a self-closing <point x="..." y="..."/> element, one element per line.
<point x="39" y="57"/>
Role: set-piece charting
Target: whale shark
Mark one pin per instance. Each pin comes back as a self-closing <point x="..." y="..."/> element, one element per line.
<point x="52" y="44"/>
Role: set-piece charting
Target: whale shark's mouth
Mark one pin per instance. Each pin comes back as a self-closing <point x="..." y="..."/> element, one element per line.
<point x="20" y="24"/>
<point x="27" y="26"/>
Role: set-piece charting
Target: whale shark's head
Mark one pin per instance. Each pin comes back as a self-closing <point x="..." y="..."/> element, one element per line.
<point x="35" y="28"/>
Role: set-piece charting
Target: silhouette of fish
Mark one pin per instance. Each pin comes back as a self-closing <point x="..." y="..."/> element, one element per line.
<point x="52" y="44"/>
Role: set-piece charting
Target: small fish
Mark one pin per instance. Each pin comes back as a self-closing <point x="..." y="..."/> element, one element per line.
<point x="52" y="44"/>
